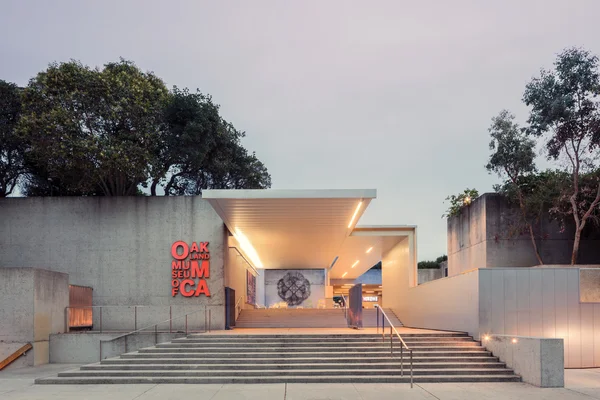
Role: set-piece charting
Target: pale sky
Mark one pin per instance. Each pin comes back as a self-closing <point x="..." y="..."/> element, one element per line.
<point x="391" y="95"/>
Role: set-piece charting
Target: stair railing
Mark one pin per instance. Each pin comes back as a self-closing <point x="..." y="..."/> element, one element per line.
<point x="403" y="345"/>
<point x="207" y="322"/>
<point x="238" y="308"/>
<point x="345" y="307"/>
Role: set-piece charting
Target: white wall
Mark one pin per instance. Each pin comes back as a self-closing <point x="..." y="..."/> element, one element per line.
<point x="235" y="276"/>
<point x="449" y="303"/>
<point x="316" y="278"/>
<point x="541" y="302"/>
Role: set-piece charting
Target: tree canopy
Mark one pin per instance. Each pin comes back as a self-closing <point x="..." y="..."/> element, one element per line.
<point x="115" y="130"/>
<point x="12" y="149"/>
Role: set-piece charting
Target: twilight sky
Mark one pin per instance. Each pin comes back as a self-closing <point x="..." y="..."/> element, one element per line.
<point x="392" y="95"/>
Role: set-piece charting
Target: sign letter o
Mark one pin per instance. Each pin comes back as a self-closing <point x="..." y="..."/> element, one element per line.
<point x="186" y="250"/>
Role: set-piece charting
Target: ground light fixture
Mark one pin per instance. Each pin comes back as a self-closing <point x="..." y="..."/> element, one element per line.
<point x="514" y="340"/>
<point x="355" y="263"/>
<point x="358" y="206"/>
<point x="248" y="248"/>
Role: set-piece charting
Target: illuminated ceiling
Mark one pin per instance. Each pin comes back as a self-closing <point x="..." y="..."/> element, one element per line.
<point x="285" y="229"/>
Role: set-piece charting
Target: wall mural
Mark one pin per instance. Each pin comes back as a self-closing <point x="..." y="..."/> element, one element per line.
<point x="293" y="288"/>
<point x="250" y="288"/>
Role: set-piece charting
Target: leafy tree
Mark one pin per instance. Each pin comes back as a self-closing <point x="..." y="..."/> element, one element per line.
<point x="192" y="126"/>
<point x="12" y="148"/>
<point x="93" y="131"/>
<point x="432" y="264"/>
<point x="566" y="111"/>
<point x="201" y="150"/>
<point x="513" y="157"/>
<point x="457" y="202"/>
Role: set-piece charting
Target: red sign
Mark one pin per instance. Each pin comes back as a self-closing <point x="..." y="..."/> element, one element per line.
<point x="190" y="265"/>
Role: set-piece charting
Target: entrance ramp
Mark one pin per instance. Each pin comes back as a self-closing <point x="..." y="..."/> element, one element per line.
<point x="292" y="318"/>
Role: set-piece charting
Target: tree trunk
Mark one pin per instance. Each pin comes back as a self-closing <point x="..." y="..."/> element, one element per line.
<point x="575" y="253"/>
<point x="153" y="187"/>
<point x="535" y="248"/>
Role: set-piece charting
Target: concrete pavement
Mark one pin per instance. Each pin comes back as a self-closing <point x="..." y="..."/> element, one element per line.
<point x="17" y="384"/>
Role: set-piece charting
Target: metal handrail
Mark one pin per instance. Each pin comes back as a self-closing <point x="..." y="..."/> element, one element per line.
<point x="402" y="342"/>
<point x="237" y="307"/>
<point x="170" y="320"/>
<point x="345" y="307"/>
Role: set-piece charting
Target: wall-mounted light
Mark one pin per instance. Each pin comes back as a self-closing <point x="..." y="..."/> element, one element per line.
<point x="355" y="263"/>
<point x="369" y="249"/>
<point x="486" y="337"/>
<point x="345" y="273"/>
<point x="514" y="340"/>
<point x="355" y="213"/>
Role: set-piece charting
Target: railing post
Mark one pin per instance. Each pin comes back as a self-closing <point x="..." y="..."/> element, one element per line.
<point x="205" y="330"/>
<point x="209" y="321"/>
<point x="126" y="343"/>
<point x="377" y="318"/>
<point x="170" y="319"/>
<point x="135" y="318"/>
<point x="411" y="369"/>
<point x="186" y="326"/>
<point x="156" y="334"/>
<point x="391" y="341"/>
<point x="401" y="360"/>
<point x="100" y="319"/>
<point x="100" y="349"/>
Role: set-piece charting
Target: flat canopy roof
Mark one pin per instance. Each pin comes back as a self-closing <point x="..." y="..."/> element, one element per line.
<point x="288" y="229"/>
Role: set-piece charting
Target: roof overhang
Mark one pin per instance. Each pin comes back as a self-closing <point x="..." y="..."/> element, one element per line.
<point x="365" y="247"/>
<point x="290" y="228"/>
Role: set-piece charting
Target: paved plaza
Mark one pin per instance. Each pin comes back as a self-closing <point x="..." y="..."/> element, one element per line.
<point x="17" y="384"/>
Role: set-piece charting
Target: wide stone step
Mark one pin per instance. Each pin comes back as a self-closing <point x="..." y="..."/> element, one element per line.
<point x="290" y="366"/>
<point x="290" y="354"/>
<point x="279" y="379"/>
<point x="321" y="336"/>
<point x="206" y="350"/>
<point x="297" y="360"/>
<point x="310" y="343"/>
<point x="276" y="372"/>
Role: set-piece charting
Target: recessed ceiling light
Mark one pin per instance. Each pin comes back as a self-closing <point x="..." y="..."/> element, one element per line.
<point x="355" y="213"/>
<point x="369" y="250"/>
<point x="345" y="273"/>
<point x="355" y="262"/>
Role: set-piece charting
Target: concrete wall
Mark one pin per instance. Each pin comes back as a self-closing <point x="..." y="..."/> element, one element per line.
<point x="120" y="246"/>
<point x="541" y="302"/>
<point x="85" y="347"/>
<point x="316" y="278"/>
<point x="449" y="303"/>
<point x="484" y="236"/>
<point x="236" y="268"/>
<point x="32" y="306"/>
<point x="429" y="274"/>
<point x="539" y="361"/>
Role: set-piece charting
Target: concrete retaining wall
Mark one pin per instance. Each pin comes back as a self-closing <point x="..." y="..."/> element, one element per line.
<point x="484" y="236"/>
<point x="85" y="347"/>
<point x="119" y="246"/>
<point x="32" y="306"/>
<point x="539" y="361"/>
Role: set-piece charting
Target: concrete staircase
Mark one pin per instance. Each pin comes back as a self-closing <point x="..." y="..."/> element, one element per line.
<point x="308" y="358"/>
<point x="292" y="318"/>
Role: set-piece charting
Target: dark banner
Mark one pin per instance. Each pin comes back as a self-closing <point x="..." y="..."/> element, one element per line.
<point x="355" y="307"/>
<point x="250" y="288"/>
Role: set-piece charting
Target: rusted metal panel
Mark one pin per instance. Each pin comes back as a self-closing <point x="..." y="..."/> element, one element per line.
<point x="80" y="306"/>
